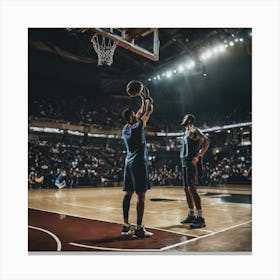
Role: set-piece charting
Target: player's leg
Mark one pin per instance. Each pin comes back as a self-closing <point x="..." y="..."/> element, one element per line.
<point x="140" y="231"/>
<point x="140" y="205"/>
<point x="199" y="221"/>
<point x="126" y="206"/>
<point x="141" y="179"/>
<point x="191" y="217"/>
<point x="129" y="190"/>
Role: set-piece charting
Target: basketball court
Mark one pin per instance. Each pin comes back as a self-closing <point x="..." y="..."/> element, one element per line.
<point x="90" y="219"/>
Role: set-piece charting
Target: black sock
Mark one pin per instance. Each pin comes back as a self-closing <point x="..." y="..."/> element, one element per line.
<point x="126" y="206"/>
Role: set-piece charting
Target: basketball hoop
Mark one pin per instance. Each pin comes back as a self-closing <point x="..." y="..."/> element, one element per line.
<point x="104" y="48"/>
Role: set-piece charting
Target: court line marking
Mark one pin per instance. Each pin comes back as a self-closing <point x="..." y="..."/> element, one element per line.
<point x="113" y="249"/>
<point x="51" y="234"/>
<point x="99" y="208"/>
<point x="114" y="222"/>
<point x="200" y="229"/>
<point x="162" y="249"/>
<point x="203" y="236"/>
<point x="173" y="231"/>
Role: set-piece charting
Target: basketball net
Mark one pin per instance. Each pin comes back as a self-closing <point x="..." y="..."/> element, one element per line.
<point x="104" y="48"/>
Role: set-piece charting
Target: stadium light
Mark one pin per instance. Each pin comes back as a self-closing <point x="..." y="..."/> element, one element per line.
<point x="168" y="74"/>
<point x="216" y="49"/>
<point x="158" y="77"/>
<point x="149" y="79"/>
<point x="191" y="64"/>
<point x="180" y="68"/>
<point x="219" y="48"/>
<point x="226" y="45"/>
<point x="231" y="43"/>
<point x="206" y="55"/>
<point x="155" y="78"/>
<point x="241" y="39"/>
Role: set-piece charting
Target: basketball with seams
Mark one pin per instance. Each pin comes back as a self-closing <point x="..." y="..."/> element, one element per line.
<point x="134" y="88"/>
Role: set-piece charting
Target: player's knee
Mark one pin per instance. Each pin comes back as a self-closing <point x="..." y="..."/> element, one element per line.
<point x="129" y="194"/>
<point x="193" y="189"/>
<point x="186" y="189"/>
<point x="141" y="196"/>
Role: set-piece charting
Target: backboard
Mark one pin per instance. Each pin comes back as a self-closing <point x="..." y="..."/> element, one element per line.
<point x="142" y="41"/>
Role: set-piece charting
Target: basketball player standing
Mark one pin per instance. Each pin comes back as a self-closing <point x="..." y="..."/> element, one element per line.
<point x="136" y="177"/>
<point x="190" y="154"/>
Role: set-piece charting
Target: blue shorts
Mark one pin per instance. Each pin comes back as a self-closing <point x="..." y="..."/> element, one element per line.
<point x="136" y="177"/>
<point x="189" y="172"/>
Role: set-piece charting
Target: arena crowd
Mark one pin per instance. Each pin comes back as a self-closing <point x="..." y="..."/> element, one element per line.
<point x="101" y="164"/>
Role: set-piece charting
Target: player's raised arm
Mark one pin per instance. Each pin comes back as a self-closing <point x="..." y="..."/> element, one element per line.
<point x="149" y="111"/>
<point x="142" y="108"/>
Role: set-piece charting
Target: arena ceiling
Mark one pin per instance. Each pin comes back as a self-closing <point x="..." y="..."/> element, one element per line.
<point x="68" y="54"/>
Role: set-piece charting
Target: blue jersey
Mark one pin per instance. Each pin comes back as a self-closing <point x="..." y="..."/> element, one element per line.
<point x="135" y="141"/>
<point x="189" y="147"/>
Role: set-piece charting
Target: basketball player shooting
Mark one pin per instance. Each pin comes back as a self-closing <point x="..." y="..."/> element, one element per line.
<point x="136" y="177"/>
<point x="190" y="154"/>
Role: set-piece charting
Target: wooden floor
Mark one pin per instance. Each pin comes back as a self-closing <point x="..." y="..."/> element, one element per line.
<point x="227" y="211"/>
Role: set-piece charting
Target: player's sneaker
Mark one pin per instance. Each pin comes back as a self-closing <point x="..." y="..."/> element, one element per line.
<point x="190" y="219"/>
<point x="198" y="223"/>
<point x="141" y="232"/>
<point x="127" y="230"/>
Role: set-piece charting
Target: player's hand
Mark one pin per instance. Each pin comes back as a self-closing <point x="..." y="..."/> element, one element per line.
<point x="195" y="160"/>
<point x="151" y="99"/>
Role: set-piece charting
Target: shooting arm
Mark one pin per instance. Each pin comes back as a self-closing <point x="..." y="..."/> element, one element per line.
<point x="142" y="109"/>
<point x="149" y="111"/>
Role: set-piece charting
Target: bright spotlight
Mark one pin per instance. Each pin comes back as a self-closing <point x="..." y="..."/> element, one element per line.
<point x="191" y="64"/>
<point x="221" y="48"/>
<point x="149" y="79"/>
<point x="168" y="74"/>
<point x="216" y="49"/>
<point x="226" y="46"/>
<point x="231" y="43"/>
<point x="241" y="39"/>
<point x="206" y="55"/>
<point x="180" y="68"/>
<point x="204" y="74"/>
<point x="203" y="56"/>
<point x="236" y="40"/>
<point x="174" y="71"/>
<point x="155" y="78"/>
<point x="158" y="76"/>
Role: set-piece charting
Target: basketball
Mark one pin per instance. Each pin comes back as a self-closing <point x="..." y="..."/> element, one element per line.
<point x="134" y="88"/>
